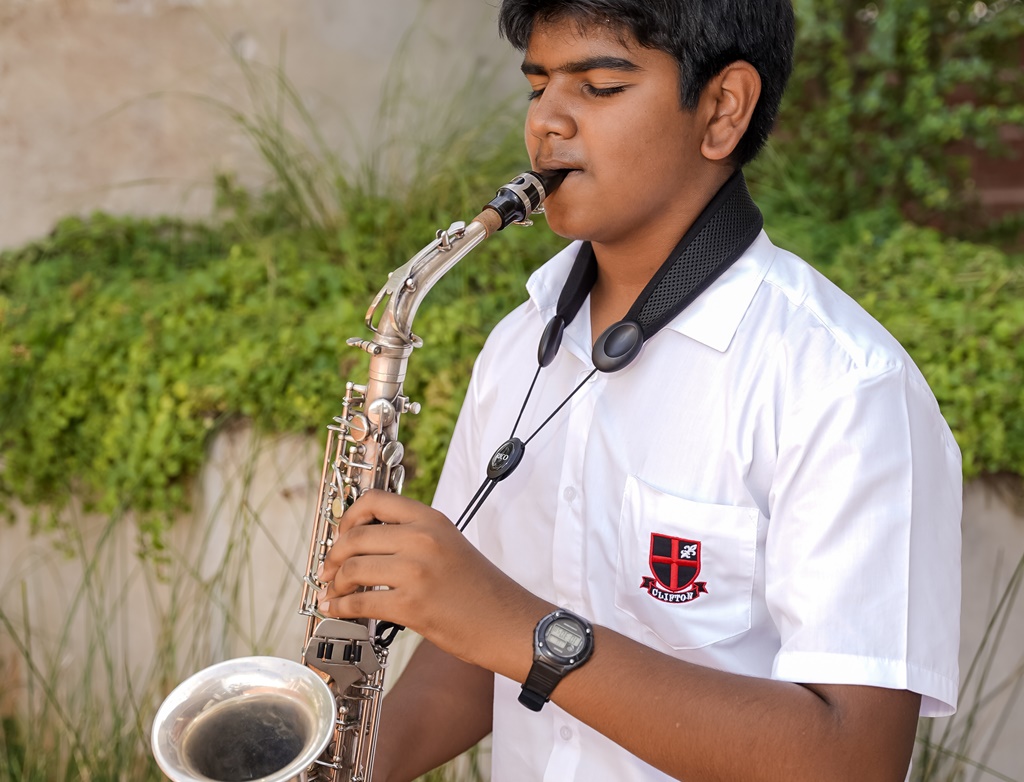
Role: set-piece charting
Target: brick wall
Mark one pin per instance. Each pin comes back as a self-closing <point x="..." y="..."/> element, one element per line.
<point x="1000" y="181"/>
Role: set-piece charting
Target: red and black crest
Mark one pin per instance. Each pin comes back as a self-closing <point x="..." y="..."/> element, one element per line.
<point x="675" y="563"/>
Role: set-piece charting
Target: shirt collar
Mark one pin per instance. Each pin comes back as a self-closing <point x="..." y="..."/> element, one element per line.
<point x="712" y="319"/>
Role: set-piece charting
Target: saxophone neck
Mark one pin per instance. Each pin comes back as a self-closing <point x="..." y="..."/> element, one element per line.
<point x="409" y="284"/>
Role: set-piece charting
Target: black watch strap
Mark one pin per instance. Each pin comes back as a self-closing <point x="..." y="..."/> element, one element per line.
<point x="539" y="684"/>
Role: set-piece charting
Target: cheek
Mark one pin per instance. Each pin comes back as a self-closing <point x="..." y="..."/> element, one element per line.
<point x="638" y="165"/>
<point x="660" y="158"/>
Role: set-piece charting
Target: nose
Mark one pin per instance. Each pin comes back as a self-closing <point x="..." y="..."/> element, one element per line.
<point x="550" y="114"/>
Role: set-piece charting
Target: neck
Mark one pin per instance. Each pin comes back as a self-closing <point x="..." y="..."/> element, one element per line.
<point x="626" y="265"/>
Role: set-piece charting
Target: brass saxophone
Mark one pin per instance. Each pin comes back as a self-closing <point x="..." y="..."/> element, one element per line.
<point x="269" y="719"/>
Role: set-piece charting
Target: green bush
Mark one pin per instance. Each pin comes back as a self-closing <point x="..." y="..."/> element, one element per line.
<point x="126" y="344"/>
<point x="958" y="309"/>
<point x="122" y="351"/>
<point x="887" y="99"/>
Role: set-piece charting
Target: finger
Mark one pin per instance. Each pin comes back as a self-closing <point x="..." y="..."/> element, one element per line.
<point x="372" y="603"/>
<point x="360" y="515"/>
<point x="365" y="571"/>
<point x="376" y="505"/>
<point x="360" y="541"/>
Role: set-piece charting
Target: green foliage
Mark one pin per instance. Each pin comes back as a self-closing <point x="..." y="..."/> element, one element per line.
<point x="958" y="309"/>
<point x="799" y="220"/>
<point x="886" y="98"/>
<point x="123" y="350"/>
<point x="126" y="344"/>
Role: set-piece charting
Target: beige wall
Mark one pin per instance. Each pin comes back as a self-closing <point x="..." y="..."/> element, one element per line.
<point x="101" y="101"/>
<point x="251" y="527"/>
<point x="993" y="544"/>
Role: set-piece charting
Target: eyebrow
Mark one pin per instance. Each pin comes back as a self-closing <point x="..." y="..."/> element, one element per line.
<point x="582" y="66"/>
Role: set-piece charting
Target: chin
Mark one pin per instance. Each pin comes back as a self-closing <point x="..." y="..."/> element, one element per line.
<point x="575" y="212"/>
<point x="575" y="226"/>
<point x="567" y="228"/>
<point x="568" y="221"/>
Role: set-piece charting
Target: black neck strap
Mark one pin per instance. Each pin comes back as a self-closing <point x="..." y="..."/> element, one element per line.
<point x="725" y="229"/>
<point x="723" y="232"/>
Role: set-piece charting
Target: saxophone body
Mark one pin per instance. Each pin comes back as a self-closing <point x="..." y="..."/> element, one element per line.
<point x="272" y="720"/>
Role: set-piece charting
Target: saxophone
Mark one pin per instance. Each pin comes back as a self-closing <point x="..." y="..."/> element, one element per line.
<point x="270" y="719"/>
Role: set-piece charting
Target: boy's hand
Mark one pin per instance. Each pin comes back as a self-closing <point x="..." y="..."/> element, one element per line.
<point x="439" y="584"/>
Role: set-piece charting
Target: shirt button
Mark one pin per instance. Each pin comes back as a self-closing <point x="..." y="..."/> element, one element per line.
<point x="569" y="493"/>
<point x="565" y="733"/>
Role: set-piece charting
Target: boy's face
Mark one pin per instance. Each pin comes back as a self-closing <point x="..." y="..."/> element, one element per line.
<point x="610" y="110"/>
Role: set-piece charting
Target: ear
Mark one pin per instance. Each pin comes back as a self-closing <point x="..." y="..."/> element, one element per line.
<point x="730" y="98"/>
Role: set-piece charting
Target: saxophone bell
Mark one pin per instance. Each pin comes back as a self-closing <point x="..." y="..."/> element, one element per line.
<point x="253" y="718"/>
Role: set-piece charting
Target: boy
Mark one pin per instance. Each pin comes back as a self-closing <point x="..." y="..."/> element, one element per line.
<point x="751" y="531"/>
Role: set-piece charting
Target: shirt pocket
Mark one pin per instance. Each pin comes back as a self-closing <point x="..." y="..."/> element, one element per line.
<point x="685" y="570"/>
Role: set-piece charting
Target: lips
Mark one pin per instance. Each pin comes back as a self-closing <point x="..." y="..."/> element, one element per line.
<point x="556" y="165"/>
<point x="563" y="170"/>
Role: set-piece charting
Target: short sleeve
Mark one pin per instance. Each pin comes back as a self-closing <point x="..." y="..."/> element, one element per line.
<point x="862" y="559"/>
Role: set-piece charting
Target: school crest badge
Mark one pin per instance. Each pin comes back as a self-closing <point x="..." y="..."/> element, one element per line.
<point x="675" y="564"/>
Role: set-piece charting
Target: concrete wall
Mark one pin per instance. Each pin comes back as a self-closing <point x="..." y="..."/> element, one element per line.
<point x="105" y="104"/>
<point x="101" y="101"/>
<point x="993" y="545"/>
<point x="231" y="588"/>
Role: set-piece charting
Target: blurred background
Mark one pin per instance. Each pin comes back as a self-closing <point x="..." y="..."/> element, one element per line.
<point x="199" y="199"/>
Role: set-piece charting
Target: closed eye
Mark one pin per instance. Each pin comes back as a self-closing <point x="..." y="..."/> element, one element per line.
<point x="602" y="92"/>
<point x="594" y="92"/>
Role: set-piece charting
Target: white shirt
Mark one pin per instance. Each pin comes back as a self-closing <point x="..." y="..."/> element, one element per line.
<point x="774" y="424"/>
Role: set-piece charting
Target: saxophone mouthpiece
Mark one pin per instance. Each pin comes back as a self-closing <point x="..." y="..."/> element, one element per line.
<point x="551" y="179"/>
<point x="520" y="198"/>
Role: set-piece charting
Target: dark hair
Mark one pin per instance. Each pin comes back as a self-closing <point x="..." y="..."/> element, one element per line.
<point x="703" y="36"/>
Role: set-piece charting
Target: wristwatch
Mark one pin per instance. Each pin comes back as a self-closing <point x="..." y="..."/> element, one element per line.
<point x="562" y="642"/>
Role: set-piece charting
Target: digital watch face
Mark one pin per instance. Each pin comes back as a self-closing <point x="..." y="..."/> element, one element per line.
<point x="565" y="638"/>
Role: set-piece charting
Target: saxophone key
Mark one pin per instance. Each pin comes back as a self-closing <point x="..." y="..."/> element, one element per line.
<point x="368" y="345"/>
<point x="350" y="461"/>
<point x="405" y="406"/>
<point x="358" y="427"/>
<point x="309" y="610"/>
<point x="312" y="583"/>
<point x="392" y="453"/>
<point x="381" y="413"/>
<point x="396" y="481"/>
